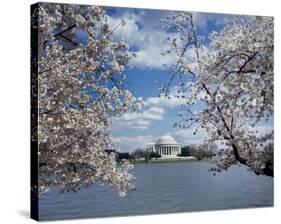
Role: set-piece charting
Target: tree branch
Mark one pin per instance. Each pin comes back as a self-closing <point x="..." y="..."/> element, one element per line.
<point x="62" y="32"/>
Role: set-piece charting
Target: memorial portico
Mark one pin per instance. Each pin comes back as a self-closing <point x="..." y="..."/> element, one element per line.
<point x="166" y="146"/>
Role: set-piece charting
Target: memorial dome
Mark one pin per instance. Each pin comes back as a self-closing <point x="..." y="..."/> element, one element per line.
<point x="166" y="140"/>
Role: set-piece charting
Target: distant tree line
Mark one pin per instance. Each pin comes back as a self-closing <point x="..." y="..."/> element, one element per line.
<point x="199" y="152"/>
<point x="137" y="155"/>
<point x="141" y="154"/>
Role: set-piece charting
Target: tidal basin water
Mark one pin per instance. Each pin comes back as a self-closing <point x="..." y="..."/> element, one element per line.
<point x="164" y="188"/>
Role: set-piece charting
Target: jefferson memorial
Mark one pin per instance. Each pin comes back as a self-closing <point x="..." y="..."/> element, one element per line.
<point x="166" y="146"/>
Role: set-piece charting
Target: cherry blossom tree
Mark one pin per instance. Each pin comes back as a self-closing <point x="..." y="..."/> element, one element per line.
<point x="231" y="77"/>
<point x="80" y="78"/>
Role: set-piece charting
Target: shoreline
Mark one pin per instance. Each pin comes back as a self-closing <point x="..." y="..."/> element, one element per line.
<point x="169" y="161"/>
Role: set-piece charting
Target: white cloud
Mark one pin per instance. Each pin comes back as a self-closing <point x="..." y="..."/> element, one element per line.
<point x="130" y="32"/>
<point x="149" y="53"/>
<point x="131" y="143"/>
<point x="187" y="137"/>
<point x="202" y="19"/>
<point x="153" y="110"/>
<point x="162" y="101"/>
<point x="142" y="31"/>
<point x="154" y="113"/>
<point x="175" y="98"/>
<point x="262" y="129"/>
<point x="139" y="120"/>
<point x="150" y="42"/>
<point x="183" y="136"/>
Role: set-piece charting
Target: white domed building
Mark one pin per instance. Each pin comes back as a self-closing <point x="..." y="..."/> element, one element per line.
<point x="166" y="146"/>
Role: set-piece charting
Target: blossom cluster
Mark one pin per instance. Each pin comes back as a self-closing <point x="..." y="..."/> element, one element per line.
<point x="81" y="86"/>
<point x="232" y="79"/>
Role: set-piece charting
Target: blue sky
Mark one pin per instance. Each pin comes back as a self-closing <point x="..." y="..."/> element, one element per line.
<point x="150" y="70"/>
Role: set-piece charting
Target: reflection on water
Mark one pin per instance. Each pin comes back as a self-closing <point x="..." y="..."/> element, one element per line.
<point x="164" y="188"/>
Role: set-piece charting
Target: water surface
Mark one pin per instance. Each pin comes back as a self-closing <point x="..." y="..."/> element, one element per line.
<point x="164" y="188"/>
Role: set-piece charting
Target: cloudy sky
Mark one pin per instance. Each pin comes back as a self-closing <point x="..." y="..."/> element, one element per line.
<point x="150" y="70"/>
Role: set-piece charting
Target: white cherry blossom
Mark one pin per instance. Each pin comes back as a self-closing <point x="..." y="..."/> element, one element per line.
<point x="80" y="88"/>
<point x="232" y="77"/>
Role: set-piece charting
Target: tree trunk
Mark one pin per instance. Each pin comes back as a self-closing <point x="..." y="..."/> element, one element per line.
<point x="267" y="171"/>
